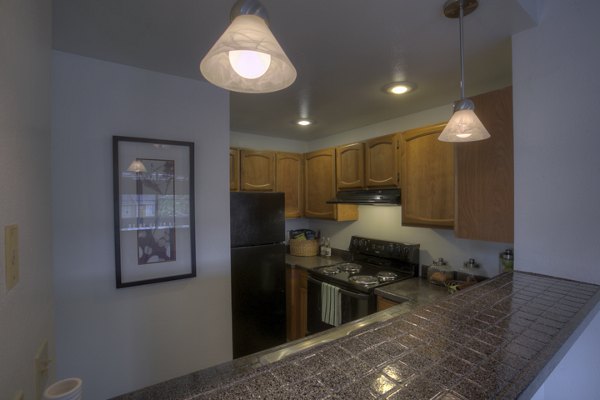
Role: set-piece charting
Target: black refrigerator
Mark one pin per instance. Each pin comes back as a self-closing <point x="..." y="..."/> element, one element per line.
<point x="257" y="271"/>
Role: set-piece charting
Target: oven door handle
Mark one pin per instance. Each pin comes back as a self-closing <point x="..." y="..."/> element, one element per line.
<point x="360" y="296"/>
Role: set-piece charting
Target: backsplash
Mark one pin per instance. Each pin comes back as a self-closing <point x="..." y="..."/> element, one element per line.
<point x="385" y="222"/>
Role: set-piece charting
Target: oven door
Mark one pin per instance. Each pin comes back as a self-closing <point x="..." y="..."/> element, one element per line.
<point x="355" y="305"/>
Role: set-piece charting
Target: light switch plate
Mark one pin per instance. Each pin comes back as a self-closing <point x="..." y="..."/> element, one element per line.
<point x="11" y="255"/>
<point x="42" y="367"/>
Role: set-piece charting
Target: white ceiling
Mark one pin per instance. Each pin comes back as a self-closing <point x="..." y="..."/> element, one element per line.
<point x="344" y="52"/>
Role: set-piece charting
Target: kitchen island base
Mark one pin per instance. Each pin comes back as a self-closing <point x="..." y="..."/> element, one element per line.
<point x="496" y="340"/>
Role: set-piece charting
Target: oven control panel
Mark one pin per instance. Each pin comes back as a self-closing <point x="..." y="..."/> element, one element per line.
<point x="406" y="252"/>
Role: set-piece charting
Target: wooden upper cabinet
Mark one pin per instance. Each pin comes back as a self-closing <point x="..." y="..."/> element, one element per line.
<point x="350" y="166"/>
<point x="399" y="160"/>
<point x="427" y="178"/>
<point x="485" y="174"/>
<point x="319" y="183"/>
<point x="381" y="160"/>
<point x="290" y="176"/>
<point x="319" y="187"/>
<point x="257" y="170"/>
<point x="234" y="170"/>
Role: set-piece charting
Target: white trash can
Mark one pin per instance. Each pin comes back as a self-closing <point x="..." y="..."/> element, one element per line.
<point x="66" y="389"/>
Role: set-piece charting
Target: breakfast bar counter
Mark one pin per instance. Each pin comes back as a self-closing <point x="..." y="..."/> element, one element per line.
<point x="498" y="339"/>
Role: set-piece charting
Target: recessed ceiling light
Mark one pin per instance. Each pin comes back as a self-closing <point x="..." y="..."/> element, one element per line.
<point x="397" y="88"/>
<point x="304" y="122"/>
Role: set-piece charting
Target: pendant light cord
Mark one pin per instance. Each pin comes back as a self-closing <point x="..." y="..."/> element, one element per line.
<point x="462" y="52"/>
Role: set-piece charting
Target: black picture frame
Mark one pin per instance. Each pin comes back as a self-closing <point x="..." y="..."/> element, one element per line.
<point x="153" y="193"/>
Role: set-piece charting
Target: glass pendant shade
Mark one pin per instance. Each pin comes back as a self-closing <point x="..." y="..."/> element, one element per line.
<point x="136" y="166"/>
<point x="248" y="59"/>
<point x="464" y="126"/>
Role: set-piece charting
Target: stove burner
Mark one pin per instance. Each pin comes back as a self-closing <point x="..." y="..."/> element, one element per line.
<point x="331" y="270"/>
<point x="365" y="280"/>
<point x="349" y="267"/>
<point x="386" y="276"/>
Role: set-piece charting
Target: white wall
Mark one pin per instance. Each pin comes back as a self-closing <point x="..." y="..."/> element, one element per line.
<point x="426" y="117"/>
<point x="119" y="340"/>
<point x="576" y="376"/>
<point x="25" y="311"/>
<point x="259" y="142"/>
<point x="557" y="166"/>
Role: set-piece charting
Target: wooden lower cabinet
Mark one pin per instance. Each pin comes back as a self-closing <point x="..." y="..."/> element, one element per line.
<point x="296" y="302"/>
<point x="383" y="303"/>
<point x="289" y="180"/>
<point x="427" y="178"/>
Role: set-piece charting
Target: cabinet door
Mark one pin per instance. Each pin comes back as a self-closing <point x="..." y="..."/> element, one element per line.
<point x="381" y="162"/>
<point x="319" y="186"/>
<point x="319" y="183"/>
<point x="234" y="170"/>
<point x="427" y="178"/>
<point x="289" y="181"/>
<point x="384" y="304"/>
<point x="257" y="170"/>
<point x="350" y="166"/>
<point x="485" y="175"/>
<point x="296" y="303"/>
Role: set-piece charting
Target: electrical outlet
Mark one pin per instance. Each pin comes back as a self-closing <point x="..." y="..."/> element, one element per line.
<point x="19" y="395"/>
<point x="42" y="367"/>
<point x="11" y="255"/>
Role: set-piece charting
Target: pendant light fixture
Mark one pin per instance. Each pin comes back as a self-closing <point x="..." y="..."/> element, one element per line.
<point x="136" y="166"/>
<point x="247" y="58"/>
<point x="464" y="126"/>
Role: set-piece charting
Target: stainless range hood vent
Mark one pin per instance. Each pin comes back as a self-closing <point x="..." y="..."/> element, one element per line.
<point x="367" y="197"/>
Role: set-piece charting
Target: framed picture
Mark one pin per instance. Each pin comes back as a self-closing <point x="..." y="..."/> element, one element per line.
<point x="153" y="210"/>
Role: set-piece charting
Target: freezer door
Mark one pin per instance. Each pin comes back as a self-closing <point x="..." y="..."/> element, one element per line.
<point x="257" y="218"/>
<point x="258" y="298"/>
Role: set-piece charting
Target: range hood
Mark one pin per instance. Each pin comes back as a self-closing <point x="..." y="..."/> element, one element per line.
<point x="367" y="196"/>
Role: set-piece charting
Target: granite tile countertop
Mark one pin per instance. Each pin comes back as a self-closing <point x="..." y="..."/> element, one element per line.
<point x="312" y="262"/>
<point x="496" y="340"/>
<point x="416" y="290"/>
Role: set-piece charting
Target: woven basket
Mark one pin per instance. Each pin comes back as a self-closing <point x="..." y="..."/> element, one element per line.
<point x="304" y="248"/>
